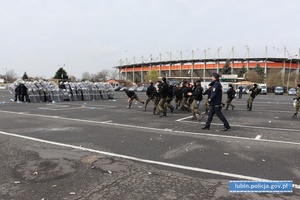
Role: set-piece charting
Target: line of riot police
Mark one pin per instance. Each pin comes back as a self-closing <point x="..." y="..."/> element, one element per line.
<point x="49" y="91"/>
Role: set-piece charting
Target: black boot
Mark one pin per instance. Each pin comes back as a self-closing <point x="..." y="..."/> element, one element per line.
<point x="172" y="109"/>
<point x="295" y="115"/>
<point x="206" y="127"/>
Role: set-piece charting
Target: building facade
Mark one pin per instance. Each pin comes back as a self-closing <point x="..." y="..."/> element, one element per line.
<point x="203" y="68"/>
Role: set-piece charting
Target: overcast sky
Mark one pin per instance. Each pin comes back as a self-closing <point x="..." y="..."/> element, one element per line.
<point x="39" y="36"/>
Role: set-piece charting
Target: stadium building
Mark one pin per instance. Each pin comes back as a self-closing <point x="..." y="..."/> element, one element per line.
<point x="195" y="68"/>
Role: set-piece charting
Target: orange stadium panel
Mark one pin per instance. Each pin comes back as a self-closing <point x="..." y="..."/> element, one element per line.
<point x="214" y="66"/>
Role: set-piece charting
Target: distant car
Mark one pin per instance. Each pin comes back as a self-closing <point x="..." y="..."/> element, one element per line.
<point x="141" y="89"/>
<point x="278" y="90"/>
<point x="123" y="88"/>
<point x="133" y="88"/>
<point x="292" y="91"/>
<point x="117" y="88"/>
<point x="173" y="82"/>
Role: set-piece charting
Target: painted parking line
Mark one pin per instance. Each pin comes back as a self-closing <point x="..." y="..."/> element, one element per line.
<point x="150" y="128"/>
<point x="243" y="126"/>
<point x="196" y="169"/>
<point x="59" y="108"/>
<point x="258" y="137"/>
<point x="74" y="107"/>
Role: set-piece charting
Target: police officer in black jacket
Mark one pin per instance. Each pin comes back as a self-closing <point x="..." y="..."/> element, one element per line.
<point x="215" y="102"/>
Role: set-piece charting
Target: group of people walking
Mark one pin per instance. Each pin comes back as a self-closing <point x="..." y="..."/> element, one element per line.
<point x="188" y="97"/>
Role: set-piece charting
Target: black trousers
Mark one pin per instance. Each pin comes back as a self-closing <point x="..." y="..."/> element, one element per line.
<point x="216" y="109"/>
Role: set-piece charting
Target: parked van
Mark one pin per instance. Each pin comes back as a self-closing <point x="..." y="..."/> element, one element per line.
<point x="263" y="88"/>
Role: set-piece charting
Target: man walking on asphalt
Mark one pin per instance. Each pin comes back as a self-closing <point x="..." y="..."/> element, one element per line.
<point x="163" y="92"/>
<point x="197" y="98"/>
<point x="254" y="92"/>
<point x="230" y="96"/>
<point x="215" y="101"/>
<point x="297" y="98"/>
<point x="150" y="93"/>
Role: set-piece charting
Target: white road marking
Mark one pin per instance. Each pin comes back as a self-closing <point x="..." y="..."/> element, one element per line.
<point x="214" y="172"/>
<point x="153" y="129"/>
<point x="243" y="126"/>
<point x="178" y="120"/>
<point x="57" y="108"/>
<point x="258" y="137"/>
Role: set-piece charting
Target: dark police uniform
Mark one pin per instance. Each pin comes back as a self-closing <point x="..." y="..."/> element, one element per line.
<point x="215" y="104"/>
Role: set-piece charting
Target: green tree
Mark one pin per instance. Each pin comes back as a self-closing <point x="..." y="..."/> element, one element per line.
<point x="61" y="74"/>
<point x="25" y="77"/>
<point x="226" y="68"/>
<point x="259" y="70"/>
<point x="242" y="71"/>
<point x="151" y="76"/>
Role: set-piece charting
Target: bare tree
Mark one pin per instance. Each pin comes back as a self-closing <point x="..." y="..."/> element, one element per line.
<point x="114" y="74"/>
<point x="72" y="78"/>
<point x="10" y="76"/>
<point x="102" y="76"/>
<point x="274" y="79"/>
<point x="253" y="76"/>
<point x="86" y="76"/>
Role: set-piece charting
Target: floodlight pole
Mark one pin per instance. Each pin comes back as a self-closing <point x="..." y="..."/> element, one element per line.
<point x="288" y="81"/>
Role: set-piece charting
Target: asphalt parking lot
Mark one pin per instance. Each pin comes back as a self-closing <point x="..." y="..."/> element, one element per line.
<point x="101" y="150"/>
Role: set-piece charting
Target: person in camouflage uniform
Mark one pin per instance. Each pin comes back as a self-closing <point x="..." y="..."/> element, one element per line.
<point x="197" y="98"/>
<point x="149" y="93"/>
<point x="169" y="99"/>
<point x="254" y="92"/>
<point x="230" y="96"/>
<point x="131" y="96"/>
<point x="178" y="96"/>
<point x="156" y="97"/>
<point x="298" y="101"/>
<point x="186" y="88"/>
<point x="163" y="89"/>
